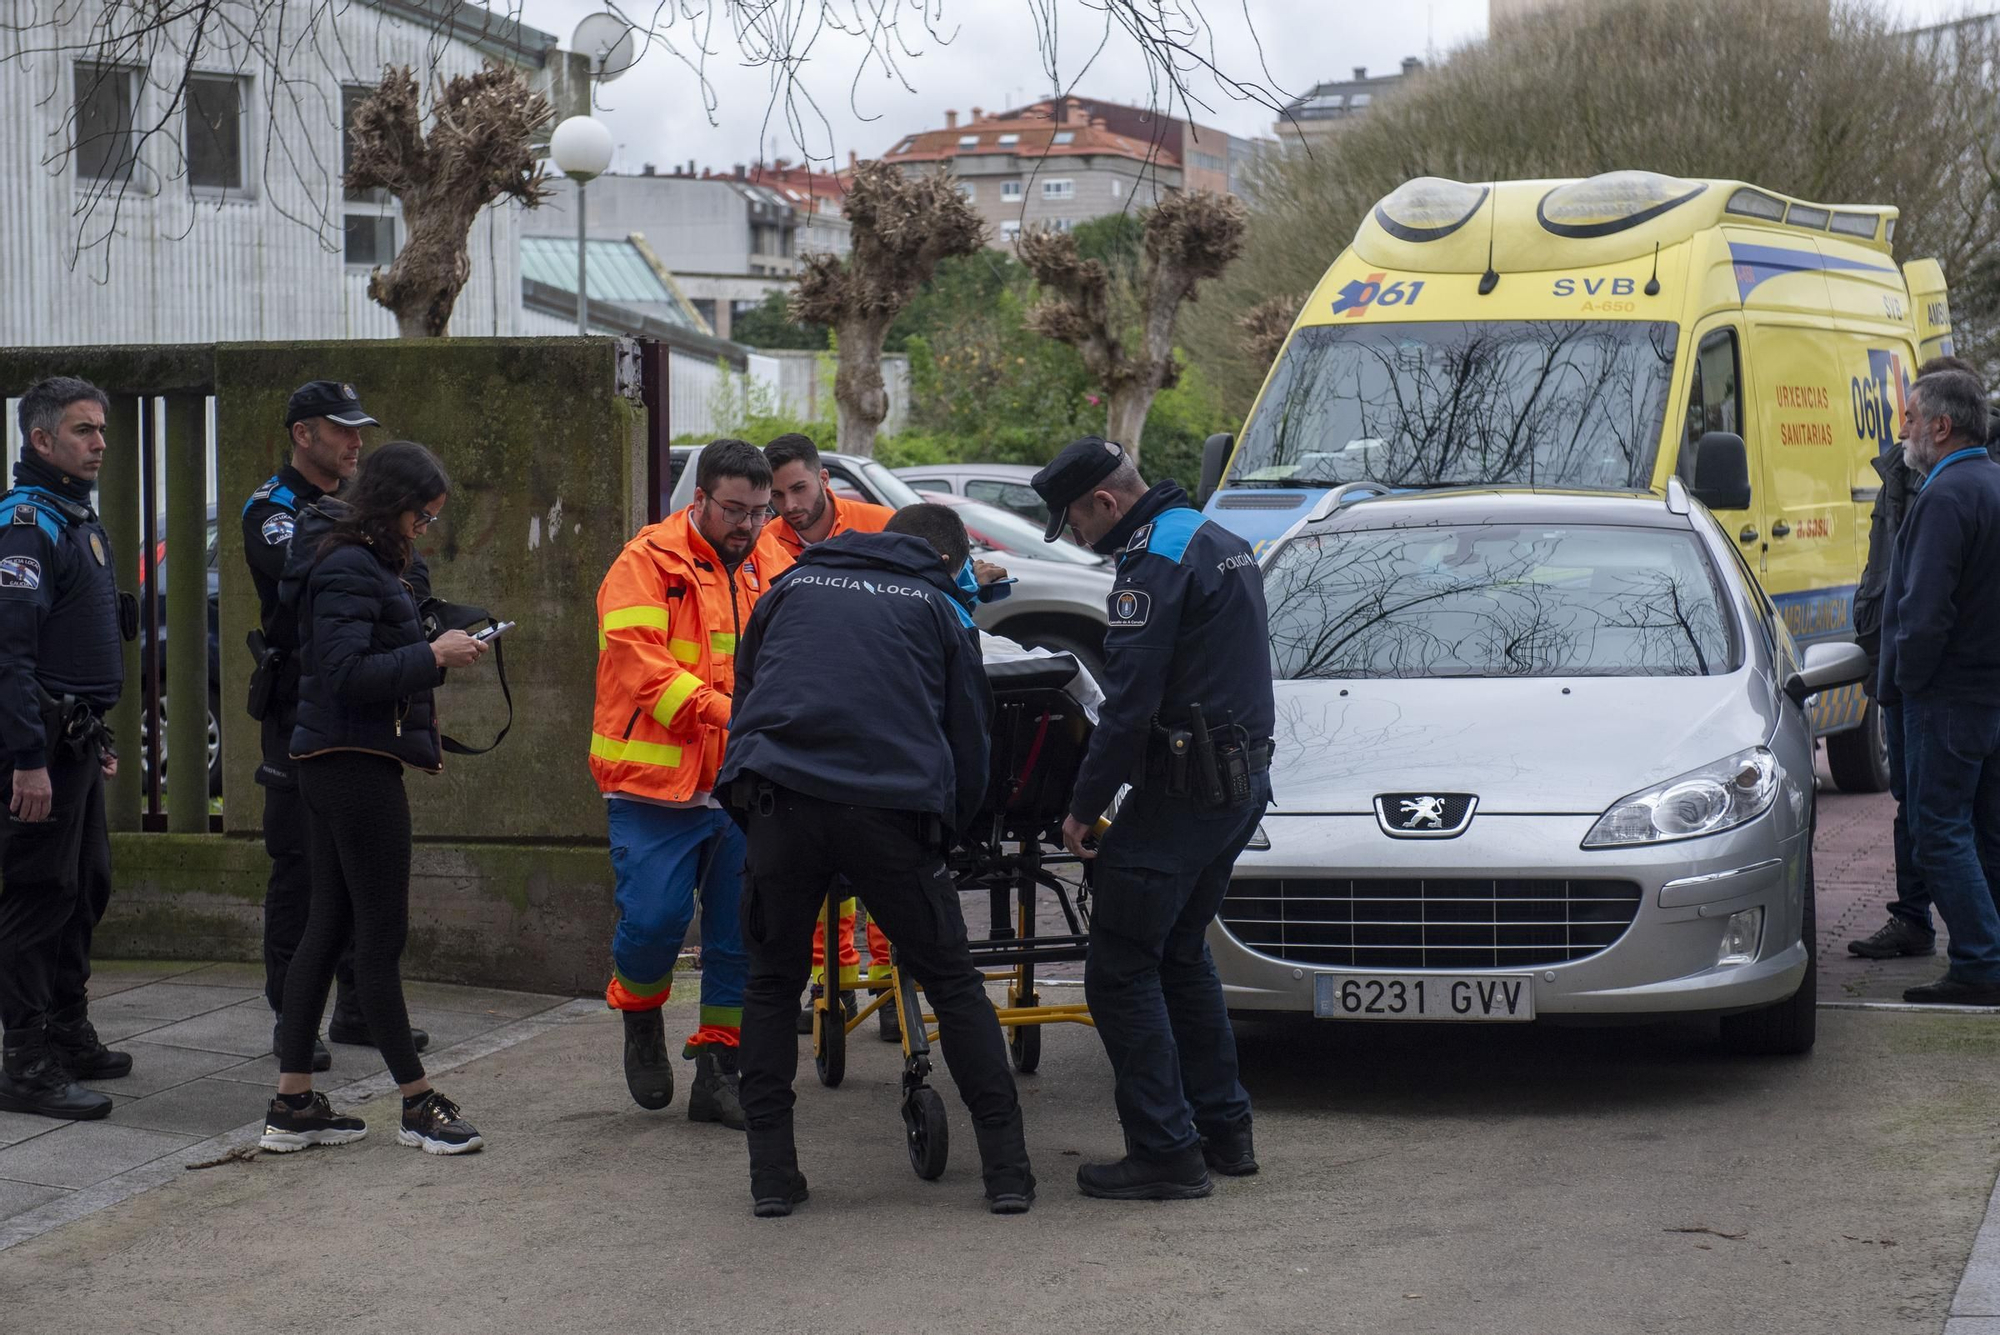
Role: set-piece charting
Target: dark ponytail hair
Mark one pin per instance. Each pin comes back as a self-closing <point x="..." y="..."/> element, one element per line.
<point x="399" y="477"/>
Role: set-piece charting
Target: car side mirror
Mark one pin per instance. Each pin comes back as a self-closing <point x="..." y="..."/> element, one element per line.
<point x="1214" y="458"/>
<point x="1827" y="666"/>
<point x="1721" y="471"/>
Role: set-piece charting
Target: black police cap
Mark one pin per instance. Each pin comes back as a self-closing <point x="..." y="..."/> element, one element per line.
<point x="331" y="399"/>
<point x="1071" y="475"/>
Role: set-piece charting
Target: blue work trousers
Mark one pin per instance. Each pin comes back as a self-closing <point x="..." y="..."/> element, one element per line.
<point x="664" y="858"/>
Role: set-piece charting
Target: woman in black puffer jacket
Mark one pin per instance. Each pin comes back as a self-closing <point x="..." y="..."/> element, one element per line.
<point x="365" y="711"/>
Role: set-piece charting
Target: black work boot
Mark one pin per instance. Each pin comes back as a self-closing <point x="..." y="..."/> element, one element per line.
<point x="1182" y="1178"/>
<point x="350" y="1026"/>
<point x="649" y="1071"/>
<point x="776" y="1184"/>
<point x="712" y="1097"/>
<point x="74" y="1039"/>
<point x="32" y="1081"/>
<point x="322" y="1059"/>
<point x="1003" y="1163"/>
<point x="1894" y="939"/>
<point x="1228" y="1150"/>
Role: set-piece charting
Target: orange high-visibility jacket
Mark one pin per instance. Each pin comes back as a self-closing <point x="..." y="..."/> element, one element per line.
<point x="668" y="615"/>
<point x="778" y="549"/>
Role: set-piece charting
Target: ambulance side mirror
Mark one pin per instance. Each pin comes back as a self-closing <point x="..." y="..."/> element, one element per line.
<point x="1721" y="471"/>
<point x="1214" y="458"/>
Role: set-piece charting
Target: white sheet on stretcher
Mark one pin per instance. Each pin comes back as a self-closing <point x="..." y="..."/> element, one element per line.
<point x="997" y="649"/>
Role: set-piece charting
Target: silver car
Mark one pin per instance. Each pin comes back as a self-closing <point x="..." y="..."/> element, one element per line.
<point x="1539" y="757"/>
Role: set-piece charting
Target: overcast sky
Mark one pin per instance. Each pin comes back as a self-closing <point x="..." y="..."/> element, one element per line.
<point x="986" y="55"/>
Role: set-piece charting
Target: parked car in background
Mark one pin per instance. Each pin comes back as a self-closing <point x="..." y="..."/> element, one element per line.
<point x="1008" y="532"/>
<point x="1056" y="603"/>
<point x="1539" y="756"/>
<point x="1004" y="485"/>
<point x="214" y="705"/>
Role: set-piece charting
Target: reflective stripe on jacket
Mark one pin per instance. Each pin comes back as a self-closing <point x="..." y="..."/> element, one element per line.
<point x="668" y="615"/>
<point x="779" y="545"/>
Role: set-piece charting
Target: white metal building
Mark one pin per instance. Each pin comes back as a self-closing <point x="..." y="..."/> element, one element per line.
<point x="130" y="220"/>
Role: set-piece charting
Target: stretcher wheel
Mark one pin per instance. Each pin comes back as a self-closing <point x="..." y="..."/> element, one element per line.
<point x="830" y="1045"/>
<point x="929" y="1133"/>
<point x="1025" y="1043"/>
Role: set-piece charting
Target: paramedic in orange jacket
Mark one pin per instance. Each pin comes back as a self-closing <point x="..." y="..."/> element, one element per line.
<point x="809" y="513"/>
<point x="668" y="615"/>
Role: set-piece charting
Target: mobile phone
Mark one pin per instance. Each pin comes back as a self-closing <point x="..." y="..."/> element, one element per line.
<point x="494" y="631"/>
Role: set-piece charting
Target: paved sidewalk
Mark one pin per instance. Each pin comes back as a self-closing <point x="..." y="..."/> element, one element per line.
<point x="200" y="1037"/>
<point x="1854" y="863"/>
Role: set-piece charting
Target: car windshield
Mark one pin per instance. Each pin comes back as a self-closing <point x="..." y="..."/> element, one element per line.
<point x="1005" y="531"/>
<point x="1545" y="403"/>
<point x="895" y="492"/>
<point x="1497" y="600"/>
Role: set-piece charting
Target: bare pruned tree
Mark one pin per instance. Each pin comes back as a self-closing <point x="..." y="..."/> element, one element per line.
<point x="480" y="148"/>
<point x="1265" y="326"/>
<point x="1125" y="330"/>
<point x="903" y="225"/>
<point x="87" y="55"/>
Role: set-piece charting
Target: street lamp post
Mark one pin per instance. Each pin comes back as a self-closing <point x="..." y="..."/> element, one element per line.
<point x="581" y="147"/>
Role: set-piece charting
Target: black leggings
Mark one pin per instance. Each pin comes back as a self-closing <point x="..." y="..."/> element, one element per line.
<point x="360" y="856"/>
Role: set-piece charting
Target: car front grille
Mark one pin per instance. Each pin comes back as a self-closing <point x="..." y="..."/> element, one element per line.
<point x="1380" y="923"/>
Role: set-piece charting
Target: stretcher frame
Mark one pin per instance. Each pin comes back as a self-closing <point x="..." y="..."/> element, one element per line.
<point x="1039" y="738"/>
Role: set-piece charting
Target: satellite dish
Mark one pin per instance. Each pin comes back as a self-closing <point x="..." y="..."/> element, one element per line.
<point x="607" y="40"/>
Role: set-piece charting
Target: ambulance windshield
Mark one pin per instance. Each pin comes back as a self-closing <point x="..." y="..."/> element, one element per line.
<point x="1574" y="404"/>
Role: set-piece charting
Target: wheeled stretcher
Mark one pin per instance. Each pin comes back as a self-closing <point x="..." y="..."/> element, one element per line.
<point x="1041" y="729"/>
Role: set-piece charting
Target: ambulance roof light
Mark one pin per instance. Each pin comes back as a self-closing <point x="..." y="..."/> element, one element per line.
<point x="1612" y="202"/>
<point x="1862" y="225"/>
<point x="1429" y="208"/>
<point x="1749" y="203"/>
<point x="1808" y="215"/>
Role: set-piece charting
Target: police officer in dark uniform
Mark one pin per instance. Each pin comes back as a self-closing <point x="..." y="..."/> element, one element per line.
<point x="870" y="792"/>
<point x="62" y="666"/>
<point x="1187" y="721"/>
<point x="324" y="419"/>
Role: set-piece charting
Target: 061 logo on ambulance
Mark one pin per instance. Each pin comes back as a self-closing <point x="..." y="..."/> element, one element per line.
<point x="1876" y="418"/>
<point x="1361" y="293"/>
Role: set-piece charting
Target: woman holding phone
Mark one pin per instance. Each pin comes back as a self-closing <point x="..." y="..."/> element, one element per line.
<point x="365" y="712"/>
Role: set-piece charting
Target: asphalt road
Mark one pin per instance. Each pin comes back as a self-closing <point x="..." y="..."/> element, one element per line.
<point x="1415" y="1180"/>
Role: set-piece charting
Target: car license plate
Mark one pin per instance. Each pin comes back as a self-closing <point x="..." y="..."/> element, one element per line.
<point x="1430" y="996"/>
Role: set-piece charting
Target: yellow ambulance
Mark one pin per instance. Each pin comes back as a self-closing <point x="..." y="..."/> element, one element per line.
<point x="1591" y="334"/>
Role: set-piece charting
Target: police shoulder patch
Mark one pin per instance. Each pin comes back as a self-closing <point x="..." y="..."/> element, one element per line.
<point x="1129" y="607"/>
<point x="20" y="572"/>
<point x="25" y="514"/>
<point x="278" y="529"/>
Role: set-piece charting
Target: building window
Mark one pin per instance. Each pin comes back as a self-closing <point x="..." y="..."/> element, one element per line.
<point x="967" y="193"/>
<point x="1207" y="162"/>
<point x="1058" y="189"/>
<point x="1117" y="189"/>
<point x="1065" y="137"/>
<point x="1010" y="139"/>
<point x="1060" y="224"/>
<point x="107" y="99"/>
<point x="1010" y="190"/>
<point x="371" y="239"/>
<point x="371" y="232"/>
<point x="1359" y="101"/>
<point x="214" y="132"/>
<point x="968" y="141"/>
<point x="1010" y="230"/>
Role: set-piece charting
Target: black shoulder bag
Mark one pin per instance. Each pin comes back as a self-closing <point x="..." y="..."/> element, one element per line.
<point x="438" y="616"/>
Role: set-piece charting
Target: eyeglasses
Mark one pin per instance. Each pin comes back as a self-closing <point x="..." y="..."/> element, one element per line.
<point x="425" y="519"/>
<point x="737" y="514"/>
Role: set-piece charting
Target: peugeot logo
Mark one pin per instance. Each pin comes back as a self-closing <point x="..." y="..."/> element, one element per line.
<point x="1424" y="815"/>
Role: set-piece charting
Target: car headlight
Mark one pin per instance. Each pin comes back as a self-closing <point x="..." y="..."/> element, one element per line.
<point x="1704" y="801"/>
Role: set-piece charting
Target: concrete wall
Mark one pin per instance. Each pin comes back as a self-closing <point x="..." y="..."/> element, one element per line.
<point x="544" y="442"/>
<point x="693" y="225"/>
